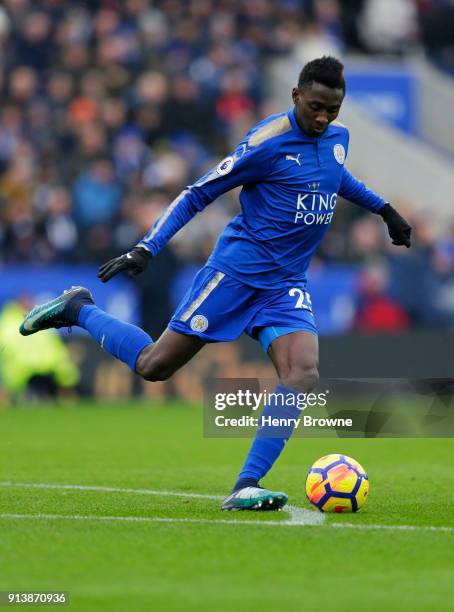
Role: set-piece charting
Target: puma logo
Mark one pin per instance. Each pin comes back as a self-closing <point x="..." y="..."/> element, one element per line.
<point x="295" y="159"/>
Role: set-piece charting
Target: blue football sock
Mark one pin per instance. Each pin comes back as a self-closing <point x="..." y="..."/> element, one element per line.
<point x="269" y="440"/>
<point x="122" y="340"/>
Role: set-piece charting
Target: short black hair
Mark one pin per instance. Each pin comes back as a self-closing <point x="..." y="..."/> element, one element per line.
<point x="326" y="70"/>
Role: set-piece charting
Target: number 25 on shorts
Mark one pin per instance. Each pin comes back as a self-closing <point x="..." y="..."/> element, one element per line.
<point x="304" y="299"/>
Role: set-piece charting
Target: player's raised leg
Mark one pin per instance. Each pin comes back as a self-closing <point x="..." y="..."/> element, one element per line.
<point x="129" y="343"/>
<point x="295" y="357"/>
<point x="171" y="351"/>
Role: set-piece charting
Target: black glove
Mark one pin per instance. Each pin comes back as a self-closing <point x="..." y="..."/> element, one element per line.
<point x="398" y="228"/>
<point x="133" y="262"/>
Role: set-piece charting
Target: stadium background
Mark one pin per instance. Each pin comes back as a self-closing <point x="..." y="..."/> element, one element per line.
<point x="108" y="109"/>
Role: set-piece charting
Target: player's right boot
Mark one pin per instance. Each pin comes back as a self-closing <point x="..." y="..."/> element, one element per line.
<point x="60" y="312"/>
<point x="254" y="498"/>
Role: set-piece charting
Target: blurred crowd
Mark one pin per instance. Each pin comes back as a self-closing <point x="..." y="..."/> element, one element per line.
<point x="397" y="288"/>
<point x="109" y="108"/>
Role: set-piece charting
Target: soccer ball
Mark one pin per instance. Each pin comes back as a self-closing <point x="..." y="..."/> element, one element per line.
<point x="337" y="483"/>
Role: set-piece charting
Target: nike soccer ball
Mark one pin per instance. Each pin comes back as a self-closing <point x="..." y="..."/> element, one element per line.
<point x="337" y="483"/>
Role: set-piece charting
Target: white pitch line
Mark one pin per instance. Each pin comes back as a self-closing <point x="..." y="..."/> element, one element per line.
<point x="299" y="516"/>
<point x="103" y="489"/>
<point x="155" y="519"/>
<point x="442" y="528"/>
<point x="148" y="519"/>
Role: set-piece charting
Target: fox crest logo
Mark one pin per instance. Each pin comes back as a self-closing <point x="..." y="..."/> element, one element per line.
<point x="199" y="323"/>
<point x="339" y="153"/>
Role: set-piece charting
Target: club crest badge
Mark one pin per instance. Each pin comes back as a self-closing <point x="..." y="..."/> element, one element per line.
<point x="339" y="153"/>
<point x="199" y="323"/>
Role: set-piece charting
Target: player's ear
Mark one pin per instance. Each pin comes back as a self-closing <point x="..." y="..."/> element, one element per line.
<point x="296" y="95"/>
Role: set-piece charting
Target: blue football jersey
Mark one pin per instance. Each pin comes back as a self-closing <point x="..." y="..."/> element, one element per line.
<point x="290" y="185"/>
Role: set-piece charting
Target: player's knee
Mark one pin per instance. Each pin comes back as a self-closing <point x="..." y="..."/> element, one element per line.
<point x="155" y="371"/>
<point x="302" y="378"/>
<point x="152" y="367"/>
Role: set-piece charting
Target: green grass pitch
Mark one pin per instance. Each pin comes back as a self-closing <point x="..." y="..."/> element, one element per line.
<point x="395" y="554"/>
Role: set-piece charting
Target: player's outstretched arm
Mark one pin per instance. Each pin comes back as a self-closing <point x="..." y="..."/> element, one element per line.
<point x="354" y="190"/>
<point x="250" y="162"/>
<point x="398" y="228"/>
<point x="133" y="262"/>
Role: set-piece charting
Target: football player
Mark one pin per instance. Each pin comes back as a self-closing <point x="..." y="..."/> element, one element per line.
<point x="291" y="167"/>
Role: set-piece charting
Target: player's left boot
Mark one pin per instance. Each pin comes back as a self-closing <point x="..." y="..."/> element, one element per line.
<point x="60" y="312"/>
<point x="254" y="498"/>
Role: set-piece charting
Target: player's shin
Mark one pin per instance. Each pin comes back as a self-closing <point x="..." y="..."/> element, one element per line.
<point x="270" y="438"/>
<point x="122" y="340"/>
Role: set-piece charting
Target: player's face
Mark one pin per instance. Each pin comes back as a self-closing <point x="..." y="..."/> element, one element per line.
<point x="316" y="106"/>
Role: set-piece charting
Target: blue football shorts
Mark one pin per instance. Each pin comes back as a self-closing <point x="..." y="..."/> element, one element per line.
<point x="219" y="308"/>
